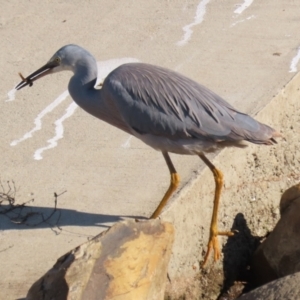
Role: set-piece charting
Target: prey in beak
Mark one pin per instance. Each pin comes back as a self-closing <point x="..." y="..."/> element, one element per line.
<point x="44" y="70"/>
<point x="25" y="80"/>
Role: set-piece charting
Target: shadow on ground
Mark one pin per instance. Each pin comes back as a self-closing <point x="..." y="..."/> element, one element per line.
<point x="238" y="252"/>
<point x="26" y="216"/>
<point x="30" y="217"/>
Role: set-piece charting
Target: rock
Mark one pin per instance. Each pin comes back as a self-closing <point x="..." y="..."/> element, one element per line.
<point x="286" y="288"/>
<point x="279" y="254"/>
<point x="128" y="261"/>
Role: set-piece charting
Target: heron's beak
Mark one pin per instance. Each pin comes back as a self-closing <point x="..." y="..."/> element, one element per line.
<point x="44" y="70"/>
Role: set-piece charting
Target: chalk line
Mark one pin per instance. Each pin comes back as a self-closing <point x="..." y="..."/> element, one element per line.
<point x="38" y="119"/>
<point x="295" y="60"/>
<point x="11" y="95"/>
<point x="127" y="143"/>
<point x="241" y="7"/>
<point x="59" y="130"/>
<point x="105" y="67"/>
<point x="240" y="21"/>
<point x="200" y="12"/>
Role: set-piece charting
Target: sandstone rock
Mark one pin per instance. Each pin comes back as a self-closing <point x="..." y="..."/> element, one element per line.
<point x="128" y="261"/>
<point x="286" y="288"/>
<point x="279" y="254"/>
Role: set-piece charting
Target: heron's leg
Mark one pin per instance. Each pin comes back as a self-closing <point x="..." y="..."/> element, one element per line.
<point x="213" y="242"/>
<point x="173" y="186"/>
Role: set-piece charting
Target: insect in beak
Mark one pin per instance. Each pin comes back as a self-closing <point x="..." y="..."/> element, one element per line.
<point x="28" y="81"/>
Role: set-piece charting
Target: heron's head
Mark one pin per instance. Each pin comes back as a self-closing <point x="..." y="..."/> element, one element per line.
<point x="67" y="58"/>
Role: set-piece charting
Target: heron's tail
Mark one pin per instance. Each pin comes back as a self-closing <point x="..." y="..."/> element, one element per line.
<point x="276" y="135"/>
<point x="266" y="135"/>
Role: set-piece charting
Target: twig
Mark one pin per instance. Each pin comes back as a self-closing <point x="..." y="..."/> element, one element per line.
<point x="20" y="215"/>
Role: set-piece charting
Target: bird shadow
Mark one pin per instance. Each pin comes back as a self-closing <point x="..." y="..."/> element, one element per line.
<point x="238" y="252"/>
<point x="36" y="217"/>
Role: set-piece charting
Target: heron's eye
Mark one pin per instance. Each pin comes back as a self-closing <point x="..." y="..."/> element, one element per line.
<point x="57" y="60"/>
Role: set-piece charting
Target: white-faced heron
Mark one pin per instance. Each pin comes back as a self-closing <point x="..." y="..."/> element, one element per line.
<point x="166" y="110"/>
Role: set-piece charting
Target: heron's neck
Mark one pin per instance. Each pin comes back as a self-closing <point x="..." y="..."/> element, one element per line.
<point x="94" y="101"/>
<point x="81" y="89"/>
<point x="81" y="85"/>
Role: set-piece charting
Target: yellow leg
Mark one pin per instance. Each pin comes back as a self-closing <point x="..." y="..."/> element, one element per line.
<point x="213" y="243"/>
<point x="173" y="186"/>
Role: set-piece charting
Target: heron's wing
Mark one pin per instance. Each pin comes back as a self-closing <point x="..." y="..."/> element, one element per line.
<point x="157" y="101"/>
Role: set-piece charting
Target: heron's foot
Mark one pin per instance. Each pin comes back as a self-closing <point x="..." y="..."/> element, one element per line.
<point x="213" y="244"/>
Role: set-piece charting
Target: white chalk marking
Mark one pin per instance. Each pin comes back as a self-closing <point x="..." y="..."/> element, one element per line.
<point x="11" y="95"/>
<point x="59" y="130"/>
<point x="105" y="67"/>
<point x="249" y="18"/>
<point x="38" y="119"/>
<point x="200" y="12"/>
<point x="241" y="7"/>
<point x="295" y="60"/>
<point x="127" y="143"/>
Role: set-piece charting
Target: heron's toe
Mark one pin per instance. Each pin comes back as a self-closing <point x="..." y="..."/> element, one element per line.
<point x="228" y="233"/>
<point x="213" y="244"/>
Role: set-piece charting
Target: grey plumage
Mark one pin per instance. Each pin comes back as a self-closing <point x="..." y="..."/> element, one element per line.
<point x="160" y="102"/>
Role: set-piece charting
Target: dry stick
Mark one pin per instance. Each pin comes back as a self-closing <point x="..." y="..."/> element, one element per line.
<point x="21" y="218"/>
